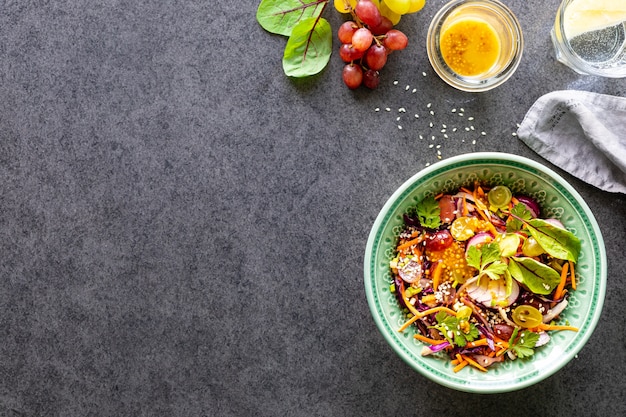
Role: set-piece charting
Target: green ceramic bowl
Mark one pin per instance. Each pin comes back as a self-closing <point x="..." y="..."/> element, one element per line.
<point x="558" y="199"/>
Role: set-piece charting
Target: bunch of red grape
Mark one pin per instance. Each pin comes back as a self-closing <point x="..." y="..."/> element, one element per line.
<point x="366" y="41"/>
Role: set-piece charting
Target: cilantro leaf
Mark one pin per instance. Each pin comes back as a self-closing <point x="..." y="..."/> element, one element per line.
<point x="490" y="253"/>
<point x="523" y="346"/>
<point x="519" y="214"/>
<point x="487" y="260"/>
<point x="462" y="330"/>
<point x="473" y="257"/>
<point x="495" y="269"/>
<point x="428" y="212"/>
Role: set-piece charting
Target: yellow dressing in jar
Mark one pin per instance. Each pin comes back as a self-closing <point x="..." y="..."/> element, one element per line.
<point x="470" y="46"/>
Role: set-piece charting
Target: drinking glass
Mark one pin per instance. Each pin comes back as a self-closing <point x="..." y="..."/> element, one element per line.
<point x="589" y="36"/>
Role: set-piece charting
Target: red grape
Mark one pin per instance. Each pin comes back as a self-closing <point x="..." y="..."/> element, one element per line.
<point x="376" y="57"/>
<point x="368" y="13"/>
<point x="395" y="40"/>
<point x="371" y="79"/>
<point x="439" y="240"/>
<point x="366" y="41"/>
<point x="346" y="30"/>
<point x="348" y="53"/>
<point x="385" y="26"/>
<point x="352" y="76"/>
<point x="362" y="39"/>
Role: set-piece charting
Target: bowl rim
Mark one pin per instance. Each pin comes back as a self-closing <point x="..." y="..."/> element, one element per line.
<point x="480" y="158"/>
<point x="458" y="81"/>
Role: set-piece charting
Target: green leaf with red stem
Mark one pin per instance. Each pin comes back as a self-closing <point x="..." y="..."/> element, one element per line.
<point x="309" y="48"/>
<point x="281" y="16"/>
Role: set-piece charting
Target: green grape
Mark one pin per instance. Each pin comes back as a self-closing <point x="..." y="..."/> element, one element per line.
<point x="499" y="196"/>
<point x="531" y="247"/>
<point x="416" y="6"/>
<point x="389" y="14"/>
<point x="527" y="316"/>
<point x="344" y="6"/>
<point x="399" y="6"/>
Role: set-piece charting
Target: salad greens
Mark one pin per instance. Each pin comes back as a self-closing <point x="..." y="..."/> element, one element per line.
<point x="487" y="284"/>
<point x="310" y="39"/>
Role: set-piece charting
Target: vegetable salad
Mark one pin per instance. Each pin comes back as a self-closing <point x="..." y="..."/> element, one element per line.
<point x="482" y="276"/>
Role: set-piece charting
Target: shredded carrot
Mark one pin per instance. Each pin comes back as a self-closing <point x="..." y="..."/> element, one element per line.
<point x="476" y="343"/>
<point x="437" y="275"/>
<point x="483" y="215"/>
<point x="438" y="196"/>
<point x="465" y="208"/>
<point x="501" y="352"/>
<point x="459" y="357"/>
<point x="408" y="323"/>
<point x="460" y="366"/>
<point x="556" y="327"/>
<point x="474" y="363"/>
<point x="479" y="203"/>
<point x="501" y="342"/>
<point x="454" y="362"/>
<point x="410" y="243"/>
<point x="492" y="228"/>
<point x="572" y="274"/>
<point x="430" y="299"/>
<point x="420" y="314"/>
<point x="479" y="190"/>
<point x="559" y="289"/>
<point x="410" y="306"/>
<point x="429" y="340"/>
<point x="436" y="310"/>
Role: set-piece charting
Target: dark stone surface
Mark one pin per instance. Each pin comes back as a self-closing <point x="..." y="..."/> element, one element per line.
<point x="183" y="227"/>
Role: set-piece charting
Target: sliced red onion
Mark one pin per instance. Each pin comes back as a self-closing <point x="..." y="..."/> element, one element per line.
<point x="484" y="292"/>
<point x="461" y="194"/>
<point x="544" y="338"/>
<point x="485" y="361"/>
<point x="530" y="204"/>
<point x="459" y="203"/>
<point x="479" y="239"/>
<point x="555" y="311"/>
<point x="555" y="222"/>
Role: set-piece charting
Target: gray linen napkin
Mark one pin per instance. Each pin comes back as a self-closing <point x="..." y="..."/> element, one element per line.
<point x="581" y="132"/>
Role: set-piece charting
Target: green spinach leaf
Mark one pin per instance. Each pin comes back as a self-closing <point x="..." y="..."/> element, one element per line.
<point x="538" y="277"/>
<point x="558" y="242"/>
<point x="281" y="16"/>
<point x="308" y="48"/>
